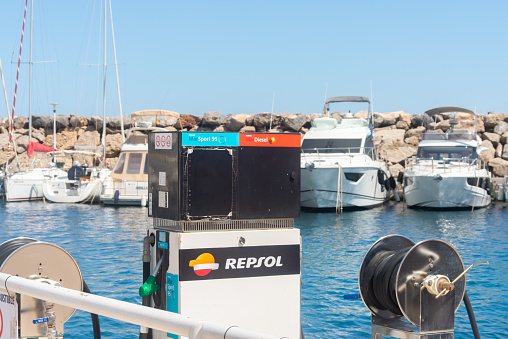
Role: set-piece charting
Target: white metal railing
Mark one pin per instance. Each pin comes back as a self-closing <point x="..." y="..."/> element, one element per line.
<point x="127" y="312"/>
<point x="323" y="153"/>
<point x="445" y="164"/>
<point x="123" y="190"/>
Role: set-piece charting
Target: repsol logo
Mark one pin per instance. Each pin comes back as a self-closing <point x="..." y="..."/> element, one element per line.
<point x="241" y="263"/>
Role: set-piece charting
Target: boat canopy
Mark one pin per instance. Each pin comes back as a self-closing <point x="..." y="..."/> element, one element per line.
<point x="347" y="99"/>
<point x="154" y="112"/>
<point x="448" y="109"/>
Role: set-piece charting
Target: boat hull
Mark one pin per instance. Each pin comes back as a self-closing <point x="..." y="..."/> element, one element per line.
<point x="319" y="188"/>
<point x="72" y="191"/>
<point x="27" y="186"/>
<point x="130" y="193"/>
<point x="442" y="192"/>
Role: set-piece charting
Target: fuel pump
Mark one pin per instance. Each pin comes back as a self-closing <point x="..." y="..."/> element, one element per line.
<point x="223" y="246"/>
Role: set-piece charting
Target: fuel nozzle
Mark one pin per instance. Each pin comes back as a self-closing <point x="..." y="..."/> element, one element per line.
<point x="150" y="286"/>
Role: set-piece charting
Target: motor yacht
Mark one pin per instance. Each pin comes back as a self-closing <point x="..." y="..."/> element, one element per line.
<point x="447" y="171"/>
<point x="339" y="163"/>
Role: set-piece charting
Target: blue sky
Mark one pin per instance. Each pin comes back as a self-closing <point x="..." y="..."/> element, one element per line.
<point x="232" y="56"/>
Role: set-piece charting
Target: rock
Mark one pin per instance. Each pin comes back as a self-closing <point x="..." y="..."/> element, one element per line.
<point x="114" y="123"/>
<point x="385" y="119"/>
<point x="276" y="129"/>
<point x="499" y="150"/>
<point x="4" y="122"/>
<point x="294" y="122"/>
<point x="388" y="137"/>
<point x="213" y="118"/>
<point x="362" y="114"/>
<point x="492" y="137"/>
<point x="187" y="121"/>
<point x="205" y="129"/>
<point x="3" y="130"/>
<point x="504" y="138"/>
<point x="20" y="131"/>
<point x="480" y="126"/>
<point x="337" y="115"/>
<point x="77" y="121"/>
<point x="498" y="166"/>
<point x="38" y="135"/>
<point x="167" y="121"/>
<point x="414" y="140"/>
<point x="402" y="125"/>
<point x="261" y="120"/>
<point x="236" y="122"/>
<point x="420" y="120"/>
<point x="415" y="132"/>
<point x="64" y="140"/>
<point x="22" y="142"/>
<point x="395" y="169"/>
<point x="62" y="122"/>
<point x="219" y="129"/>
<point x="42" y="121"/>
<point x="490" y="152"/>
<point x="20" y="122"/>
<point x="112" y="131"/>
<point x="504" y="152"/>
<point x="95" y="123"/>
<point x="443" y="125"/>
<point x="501" y="128"/>
<point x="405" y="117"/>
<point x="304" y="130"/>
<point x="248" y="129"/>
<point x="396" y="154"/>
<point x="113" y="145"/>
<point x="89" y="138"/>
<point x="492" y="119"/>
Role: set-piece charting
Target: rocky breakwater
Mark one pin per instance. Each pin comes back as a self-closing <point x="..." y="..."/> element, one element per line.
<point x="396" y="134"/>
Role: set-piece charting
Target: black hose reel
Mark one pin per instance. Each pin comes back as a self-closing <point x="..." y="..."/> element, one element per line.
<point x="423" y="283"/>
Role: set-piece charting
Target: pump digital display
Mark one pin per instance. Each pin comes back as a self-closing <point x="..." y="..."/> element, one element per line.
<point x="239" y="262"/>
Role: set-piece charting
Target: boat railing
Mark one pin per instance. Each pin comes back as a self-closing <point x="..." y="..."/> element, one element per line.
<point x="139" y="189"/>
<point x="444" y="164"/>
<point x="325" y="153"/>
<point x="124" y="311"/>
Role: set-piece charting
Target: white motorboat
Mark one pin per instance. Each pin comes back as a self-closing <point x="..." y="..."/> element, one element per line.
<point x="128" y="183"/>
<point x="339" y="166"/>
<point x="85" y="189"/>
<point x="447" y="171"/>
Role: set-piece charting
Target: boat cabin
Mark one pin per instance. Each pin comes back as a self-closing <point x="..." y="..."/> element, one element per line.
<point x="132" y="166"/>
<point x="446" y="152"/>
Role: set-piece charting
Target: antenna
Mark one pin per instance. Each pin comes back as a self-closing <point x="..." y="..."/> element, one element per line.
<point x="371" y="98"/>
<point x="54" y="128"/>
<point x="271" y="114"/>
<point x="324" y="100"/>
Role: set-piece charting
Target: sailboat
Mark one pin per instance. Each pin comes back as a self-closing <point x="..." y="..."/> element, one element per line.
<point x="89" y="188"/>
<point x="27" y="185"/>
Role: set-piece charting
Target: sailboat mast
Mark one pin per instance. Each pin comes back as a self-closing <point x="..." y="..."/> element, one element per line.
<point x="30" y="80"/>
<point x="116" y="71"/>
<point x="104" y="89"/>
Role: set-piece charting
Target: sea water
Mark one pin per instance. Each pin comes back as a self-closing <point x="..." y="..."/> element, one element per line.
<point x="107" y="245"/>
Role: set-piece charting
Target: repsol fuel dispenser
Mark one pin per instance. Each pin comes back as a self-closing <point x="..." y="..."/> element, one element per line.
<point x="223" y="246"/>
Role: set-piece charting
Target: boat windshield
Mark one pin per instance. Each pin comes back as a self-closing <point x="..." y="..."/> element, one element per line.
<point x="332" y="145"/>
<point x="446" y="152"/>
